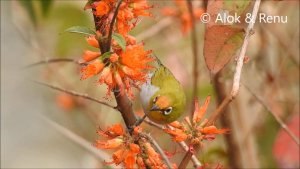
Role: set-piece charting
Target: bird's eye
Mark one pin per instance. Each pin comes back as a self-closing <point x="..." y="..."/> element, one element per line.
<point x="168" y="110"/>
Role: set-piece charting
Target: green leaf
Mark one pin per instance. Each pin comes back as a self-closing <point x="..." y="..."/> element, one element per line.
<point x="45" y="5"/>
<point x="81" y="30"/>
<point x="28" y="5"/>
<point x="105" y="55"/>
<point x="120" y="40"/>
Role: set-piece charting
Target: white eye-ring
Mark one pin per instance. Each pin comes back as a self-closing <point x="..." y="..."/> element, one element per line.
<point x="167" y="111"/>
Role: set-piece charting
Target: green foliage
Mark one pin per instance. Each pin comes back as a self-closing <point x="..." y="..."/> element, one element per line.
<point x="265" y="137"/>
<point x="28" y="5"/>
<point x="36" y="9"/>
<point x="64" y="16"/>
<point x="46" y="6"/>
<point x="81" y="30"/>
<point x="120" y="40"/>
<point x="105" y="55"/>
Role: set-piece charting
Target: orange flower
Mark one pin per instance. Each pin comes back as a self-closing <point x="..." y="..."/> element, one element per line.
<point x="137" y="60"/>
<point x="154" y="159"/>
<point x="128" y="152"/>
<point x="114" y="58"/>
<point x="198" y="113"/>
<point x="92" y="69"/>
<point x="134" y="148"/>
<point x="90" y="55"/>
<point x="116" y="129"/>
<point x="213" y="130"/>
<point x="112" y="132"/>
<point x="129" y="160"/>
<point x="101" y="8"/>
<point x="109" y="144"/>
<point x="122" y="70"/>
<point x="181" y="11"/>
<point x="194" y="131"/>
<point x="91" y="40"/>
<point x="176" y="124"/>
<point x="140" y="162"/>
<point x="119" y="156"/>
<point x="130" y="40"/>
<point x="65" y="101"/>
<point x="140" y="7"/>
<point x="177" y="134"/>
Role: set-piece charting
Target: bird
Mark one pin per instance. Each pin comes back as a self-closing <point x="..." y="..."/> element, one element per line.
<point x="162" y="96"/>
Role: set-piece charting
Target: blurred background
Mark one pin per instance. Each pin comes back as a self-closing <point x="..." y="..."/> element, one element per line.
<point x="44" y="128"/>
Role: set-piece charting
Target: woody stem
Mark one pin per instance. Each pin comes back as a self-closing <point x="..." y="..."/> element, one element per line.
<point x="123" y="103"/>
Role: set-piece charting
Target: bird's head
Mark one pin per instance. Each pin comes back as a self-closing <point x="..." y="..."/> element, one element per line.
<point x="162" y="104"/>
<point x="165" y="108"/>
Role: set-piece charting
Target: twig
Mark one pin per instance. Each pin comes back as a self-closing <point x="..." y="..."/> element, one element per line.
<point x="123" y="103"/>
<point x="73" y="93"/>
<point x="154" y="29"/>
<point x="77" y="139"/>
<point x="55" y="60"/>
<point x="233" y="149"/>
<point x="183" y="145"/>
<point x="184" y="162"/>
<point x="111" y="27"/>
<point x="238" y="69"/>
<point x="195" y="160"/>
<point x="187" y="157"/>
<point x="157" y="147"/>
<point x="277" y="118"/>
<point x="194" y="48"/>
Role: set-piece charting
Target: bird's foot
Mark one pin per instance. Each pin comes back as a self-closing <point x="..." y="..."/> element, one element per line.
<point x="137" y="123"/>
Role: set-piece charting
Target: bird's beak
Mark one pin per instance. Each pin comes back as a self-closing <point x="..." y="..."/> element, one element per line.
<point x="154" y="108"/>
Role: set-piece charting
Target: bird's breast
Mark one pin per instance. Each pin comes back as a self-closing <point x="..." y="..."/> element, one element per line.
<point x="147" y="91"/>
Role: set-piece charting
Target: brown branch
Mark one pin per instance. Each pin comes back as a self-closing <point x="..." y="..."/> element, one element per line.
<point x="182" y="144"/>
<point x="150" y="32"/>
<point x="77" y="139"/>
<point x="194" y="159"/>
<point x="55" y="60"/>
<point x="187" y="157"/>
<point x="123" y="103"/>
<point x="277" y="118"/>
<point x="157" y="147"/>
<point x="73" y="93"/>
<point x="233" y="149"/>
<point x="111" y="27"/>
<point x="194" y="48"/>
<point x="238" y="70"/>
<point x="189" y="154"/>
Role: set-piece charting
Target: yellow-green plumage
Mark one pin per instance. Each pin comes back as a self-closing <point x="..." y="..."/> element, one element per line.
<point x="163" y="85"/>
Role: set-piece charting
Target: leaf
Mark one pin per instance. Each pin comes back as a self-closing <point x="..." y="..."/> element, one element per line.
<point x="81" y="30"/>
<point x="223" y="40"/>
<point x="29" y="7"/>
<point x="120" y="40"/>
<point x="45" y="5"/>
<point x="221" y="43"/>
<point x="105" y="55"/>
<point x="63" y="16"/>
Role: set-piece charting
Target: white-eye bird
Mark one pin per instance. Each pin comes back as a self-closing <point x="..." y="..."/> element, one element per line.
<point x="162" y="96"/>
